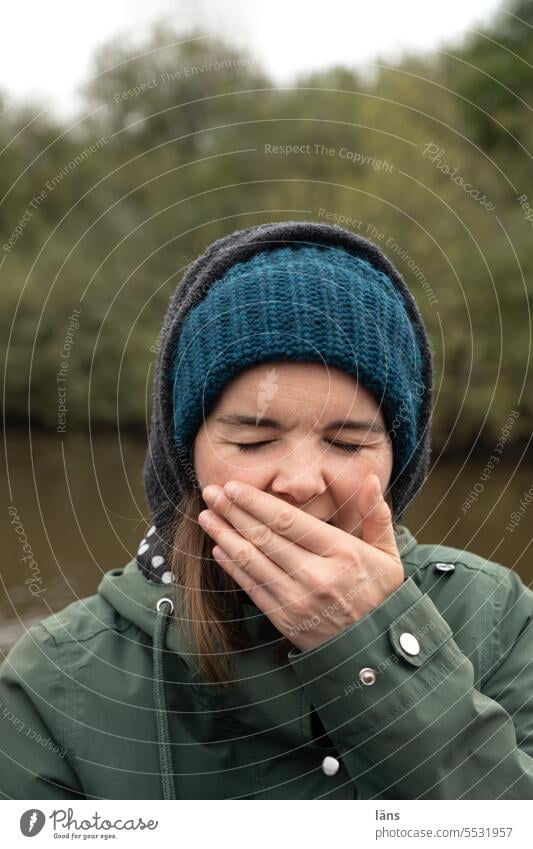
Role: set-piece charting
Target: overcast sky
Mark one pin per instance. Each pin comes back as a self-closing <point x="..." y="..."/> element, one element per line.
<point x="46" y="46"/>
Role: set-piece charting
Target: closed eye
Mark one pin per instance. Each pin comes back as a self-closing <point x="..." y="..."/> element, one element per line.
<point x="253" y="446"/>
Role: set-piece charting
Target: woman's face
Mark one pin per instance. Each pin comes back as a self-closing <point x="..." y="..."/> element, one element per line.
<point x="302" y="411"/>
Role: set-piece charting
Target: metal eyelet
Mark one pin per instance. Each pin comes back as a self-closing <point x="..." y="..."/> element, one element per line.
<point x="445" y="567"/>
<point x="168" y="600"/>
<point x="367" y="676"/>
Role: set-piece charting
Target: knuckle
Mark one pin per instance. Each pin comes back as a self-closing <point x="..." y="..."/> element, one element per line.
<point x="298" y="610"/>
<point x="284" y="521"/>
<point x="321" y="592"/>
<point x="261" y="536"/>
<point x="243" y="557"/>
<point x="250" y="587"/>
<point x="341" y="604"/>
<point x="346" y="558"/>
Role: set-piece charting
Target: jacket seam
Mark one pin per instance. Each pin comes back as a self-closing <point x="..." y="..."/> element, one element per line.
<point x="47" y="639"/>
<point x="488" y="642"/>
<point x="68" y="721"/>
<point x="489" y="622"/>
<point x="56" y="658"/>
<point x="301" y="709"/>
<point x="484" y="568"/>
<point x="503" y="655"/>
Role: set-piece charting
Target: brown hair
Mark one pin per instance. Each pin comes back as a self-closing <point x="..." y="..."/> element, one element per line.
<point x="208" y="602"/>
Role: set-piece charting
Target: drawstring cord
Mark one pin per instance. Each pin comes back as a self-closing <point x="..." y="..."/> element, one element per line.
<point x="164" y="608"/>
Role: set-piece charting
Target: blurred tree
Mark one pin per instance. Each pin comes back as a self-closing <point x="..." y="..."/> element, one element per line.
<point x="186" y="139"/>
<point x="493" y="70"/>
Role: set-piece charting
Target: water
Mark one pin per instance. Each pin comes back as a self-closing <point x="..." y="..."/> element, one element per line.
<point x="77" y="504"/>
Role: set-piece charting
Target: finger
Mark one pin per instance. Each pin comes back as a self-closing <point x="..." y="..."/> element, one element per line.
<point x="307" y="531"/>
<point x="376" y="515"/>
<point x="247" y="557"/>
<point x="289" y="556"/>
<point x="259" y="594"/>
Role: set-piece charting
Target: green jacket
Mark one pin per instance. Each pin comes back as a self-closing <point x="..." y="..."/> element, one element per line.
<point x="102" y="702"/>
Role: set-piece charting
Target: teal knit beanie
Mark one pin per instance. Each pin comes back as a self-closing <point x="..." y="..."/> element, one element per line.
<point x="307" y="303"/>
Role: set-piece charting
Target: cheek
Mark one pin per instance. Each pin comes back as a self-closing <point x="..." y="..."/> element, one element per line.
<point x="365" y="463"/>
<point x="378" y="462"/>
<point x="210" y="468"/>
<point x="204" y="460"/>
<point x="351" y="474"/>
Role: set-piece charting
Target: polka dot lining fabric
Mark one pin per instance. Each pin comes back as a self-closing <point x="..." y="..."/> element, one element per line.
<point x="153" y="558"/>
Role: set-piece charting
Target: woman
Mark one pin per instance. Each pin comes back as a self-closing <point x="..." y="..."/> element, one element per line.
<point x="300" y="643"/>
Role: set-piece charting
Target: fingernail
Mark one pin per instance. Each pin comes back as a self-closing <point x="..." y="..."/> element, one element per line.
<point x="232" y="489"/>
<point x="213" y="495"/>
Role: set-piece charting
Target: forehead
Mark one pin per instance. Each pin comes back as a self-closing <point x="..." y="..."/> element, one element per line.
<point x="308" y="386"/>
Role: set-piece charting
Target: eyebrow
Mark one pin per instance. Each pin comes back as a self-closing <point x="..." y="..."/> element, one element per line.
<point x="239" y="420"/>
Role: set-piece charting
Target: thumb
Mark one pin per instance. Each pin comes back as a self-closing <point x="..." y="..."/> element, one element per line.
<point x="376" y="517"/>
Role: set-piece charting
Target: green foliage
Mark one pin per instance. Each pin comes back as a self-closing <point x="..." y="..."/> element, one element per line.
<point x="185" y="139"/>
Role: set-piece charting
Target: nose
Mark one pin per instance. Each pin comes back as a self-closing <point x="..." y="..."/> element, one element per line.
<point x="299" y="476"/>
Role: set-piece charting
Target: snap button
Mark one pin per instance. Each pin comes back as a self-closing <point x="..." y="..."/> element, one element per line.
<point x="330" y="765"/>
<point x="367" y="675"/>
<point x="445" y="567"/>
<point x="409" y="643"/>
